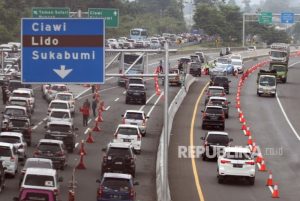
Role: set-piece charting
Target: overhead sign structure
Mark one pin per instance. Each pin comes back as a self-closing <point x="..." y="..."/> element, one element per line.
<point x="111" y="16"/>
<point x="63" y="50"/>
<point x="49" y="12"/>
<point x="287" y="18"/>
<point x="265" y="18"/>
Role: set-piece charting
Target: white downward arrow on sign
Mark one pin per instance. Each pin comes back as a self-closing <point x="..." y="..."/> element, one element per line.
<point x="63" y="72"/>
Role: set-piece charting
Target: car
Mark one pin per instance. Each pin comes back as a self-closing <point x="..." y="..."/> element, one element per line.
<point x="213" y="116"/>
<point x="136" y="93"/>
<point x="220" y="101"/>
<point x="195" y="58"/>
<point x="236" y="56"/>
<point x="54" y="150"/>
<point x="53" y="89"/>
<point x="136" y="117"/>
<point x="214" y="143"/>
<point x="67" y="96"/>
<point x="15" y="111"/>
<point x="155" y="44"/>
<point x="225" y="51"/>
<point x="224" y="65"/>
<point x="42" y="179"/>
<point x="20" y="124"/>
<point x="60" y="130"/>
<point x="9" y="157"/>
<point x="21" y="101"/>
<point x="221" y="81"/>
<point x="236" y="162"/>
<point x="238" y="65"/>
<point x="16" y="83"/>
<point x="17" y="140"/>
<point x="214" y="91"/>
<point x="2" y="176"/>
<point x="35" y="163"/>
<point x="35" y="194"/>
<point x="25" y="93"/>
<point x="116" y="186"/>
<point x="195" y="69"/>
<point x="118" y="157"/>
<point x="63" y="115"/>
<point x="251" y="48"/>
<point x="59" y="104"/>
<point x="134" y="80"/>
<point x="202" y="57"/>
<point x="175" y="80"/>
<point x="131" y="134"/>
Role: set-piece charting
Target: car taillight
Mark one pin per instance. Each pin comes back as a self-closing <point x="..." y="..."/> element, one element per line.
<point x="21" y="146"/>
<point x="226" y="102"/>
<point x="100" y="191"/>
<point x="204" y="115"/>
<point x="12" y="159"/>
<point x="139" y="138"/>
<point x="55" y="191"/>
<point x="60" y="153"/>
<point x="223" y="94"/>
<point x="37" y="153"/>
<point x="225" y="161"/>
<point x="250" y="163"/>
<point x="132" y="193"/>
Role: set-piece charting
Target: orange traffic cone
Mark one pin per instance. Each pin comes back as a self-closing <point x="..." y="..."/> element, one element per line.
<point x="90" y="138"/>
<point x="237" y="98"/>
<point x="238" y="104"/>
<point x="250" y="142"/>
<point x="275" y="193"/>
<point x="244" y="127"/>
<point x="270" y="180"/>
<point x="263" y="167"/>
<point x="242" y="120"/>
<point x="158" y="92"/>
<point x="259" y="158"/>
<point x="248" y="132"/>
<point x="81" y="165"/>
<point x="241" y="114"/>
<point x="82" y="150"/>
<point x="71" y="195"/>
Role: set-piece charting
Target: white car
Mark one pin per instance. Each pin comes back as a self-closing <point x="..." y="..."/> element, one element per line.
<point x="63" y="115"/>
<point x="237" y="162"/>
<point x="59" y="104"/>
<point x="238" y="65"/>
<point x="67" y="96"/>
<point x="113" y="42"/>
<point x="20" y="101"/>
<point x="251" y="48"/>
<point x="25" y="93"/>
<point x="9" y="158"/>
<point x="136" y="117"/>
<point x="50" y="91"/>
<point x="129" y="133"/>
<point x="17" y="140"/>
<point x="42" y="178"/>
<point x="236" y="56"/>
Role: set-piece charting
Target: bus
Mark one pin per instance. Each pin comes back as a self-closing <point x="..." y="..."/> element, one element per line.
<point x="137" y="68"/>
<point x="138" y="34"/>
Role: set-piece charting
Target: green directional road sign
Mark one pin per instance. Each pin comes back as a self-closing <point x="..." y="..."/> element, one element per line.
<point x="48" y="12"/>
<point x="265" y="18"/>
<point x="110" y="15"/>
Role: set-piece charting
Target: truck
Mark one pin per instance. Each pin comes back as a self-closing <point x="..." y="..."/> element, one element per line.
<point x="266" y="83"/>
<point x="279" y="53"/>
<point x="281" y="71"/>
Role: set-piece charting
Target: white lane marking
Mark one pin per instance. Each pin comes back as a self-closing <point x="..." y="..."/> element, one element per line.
<point x="89" y="121"/>
<point x="45" y="119"/>
<point x="84" y="91"/>
<point x="117" y="99"/>
<point x="34" y="88"/>
<point x="86" y="131"/>
<point x="109" y="78"/>
<point x="33" y="128"/>
<point x="149" y="99"/>
<point x="107" y="108"/>
<point x="76" y="145"/>
<point x="150" y="111"/>
<point x="286" y="118"/>
<point x="110" y="88"/>
<point x="271" y="189"/>
<point x="124" y="92"/>
<point x="290" y="66"/>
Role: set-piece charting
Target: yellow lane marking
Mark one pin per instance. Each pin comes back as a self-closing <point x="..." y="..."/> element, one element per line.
<point x="194" y="167"/>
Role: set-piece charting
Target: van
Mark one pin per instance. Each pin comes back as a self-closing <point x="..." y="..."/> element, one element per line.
<point x="9" y="156"/>
<point x="60" y="115"/>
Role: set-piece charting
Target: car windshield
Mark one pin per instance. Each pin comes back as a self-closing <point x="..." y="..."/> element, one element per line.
<point x="19" y="123"/>
<point x="215" y="91"/>
<point x="5" y="151"/>
<point x="119" y="152"/>
<point x="52" y="147"/>
<point x="24" y="95"/>
<point x="10" y="139"/>
<point x="219" y="80"/>
<point x="278" y="54"/>
<point x="235" y="57"/>
<point x="238" y="155"/>
<point x="127" y="131"/>
<point x="59" y="88"/>
<point x="37" y="164"/>
<point x="236" y="63"/>
<point x="217" y="102"/>
<point x="18" y="102"/>
<point x="14" y="112"/>
<point x="59" y="105"/>
<point x="212" y="110"/>
<point x="137" y="88"/>
<point x="218" y="139"/>
<point x="59" y="128"/>
<point x="267" y="81"/>
<point x="116" y="184"/>
<point x="279" y="68"/>
<point x="193" y="65"/>
<point x="135" y="81"/>
<point x="57" y="114"/>
<point x="64" y="97"/>
<point x="134" y="115"/>
<point x="33" y="196"/>
<point x="223" y="61"/>
<point x="39" y="180"/>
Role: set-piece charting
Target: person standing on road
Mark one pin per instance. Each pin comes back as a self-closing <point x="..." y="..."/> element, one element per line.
<point x="94" y="105"/>
<point x="87" y="103"/>
<point x="85" y="114"/>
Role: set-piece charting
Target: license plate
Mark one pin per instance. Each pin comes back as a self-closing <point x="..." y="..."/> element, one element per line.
<point x="126" y="140"/>
<point x="237" y="165"/>
<point x="118" y="163"/>
<point x="136" y="94"/>
<point x="133" y="123"/>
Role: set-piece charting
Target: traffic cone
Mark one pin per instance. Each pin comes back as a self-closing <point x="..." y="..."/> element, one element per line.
<point x="250" y="141"/>
<point x="71" y="195"/>
<point x="81" y="165"/>
<point x="275" y="193"/>
<point x="270" y="180"/>
<point x="242" y="120"/>
<point x="237" y="98"/>
<point x="241" y="115"/>
<point x="248" y="132"/>
<point x="244" y="127"/>
<point x="99" y="117"/>
<point x="82" y="150"/>
<point x="102" y="106"/>
<point x="90" y="137"/>
<point x="259" y="158"/>
<point x="263" y="167"/>
<point x="158" y="92"/>
<point x="238" y="104"/>
<point x="96" y="127"/>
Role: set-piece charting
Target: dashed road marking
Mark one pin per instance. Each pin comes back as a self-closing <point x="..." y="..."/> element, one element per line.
<point x="107" y="108"/>
<point x="151" y="109"/>
<point x="149" y="99"/>
<point x="117" y="99"/>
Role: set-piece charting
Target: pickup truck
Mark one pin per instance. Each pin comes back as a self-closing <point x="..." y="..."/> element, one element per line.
<point x="266" y="83"/>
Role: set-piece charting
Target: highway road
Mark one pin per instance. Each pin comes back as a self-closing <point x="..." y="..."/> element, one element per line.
<point x="279" y="143"/>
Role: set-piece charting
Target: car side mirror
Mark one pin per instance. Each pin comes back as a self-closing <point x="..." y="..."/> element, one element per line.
<point x="229" y="102"/>
<point x="147" y="117"/>
<point x="202" y="138"/>
<point x="230" y="139"/>
<point x="45" y="127"/>
<point x="98" y="181"/>
<point x="122" y="115"/>
<point x="202" y="111"/>
<point x="136" y="183"/>
<point x="60" y="179"/>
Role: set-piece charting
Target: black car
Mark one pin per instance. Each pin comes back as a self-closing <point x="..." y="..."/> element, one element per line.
<point x="53" y="150"/>
<point x="195" y="69"/>
<point x="220" y="101"/>
<point x="64" y="131"/>
<point x="225" y="51"/>
<point x="221" y="81"/>
<point x="213" y="116"/>
<point x="2" y="176"/>
<point x="136" y="93"/>
<point x="214" y="143"/>
<point x="119" y="157"/>
<point x="20" y="124"/>
<point x="15" y="84"/>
